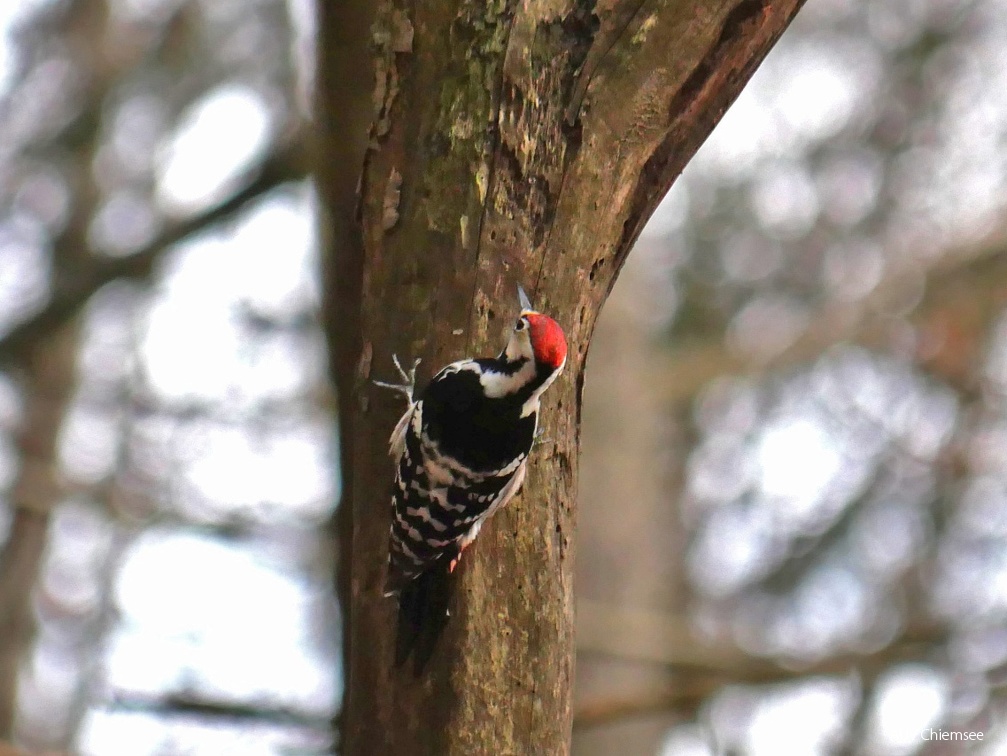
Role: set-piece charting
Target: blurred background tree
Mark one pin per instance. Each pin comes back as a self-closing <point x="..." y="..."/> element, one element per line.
<point x="794" y="487"/>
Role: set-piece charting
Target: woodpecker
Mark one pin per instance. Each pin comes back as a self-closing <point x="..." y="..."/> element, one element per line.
<point x="462" y="449"/>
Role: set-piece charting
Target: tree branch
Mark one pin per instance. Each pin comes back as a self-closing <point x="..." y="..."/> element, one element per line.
<point x="73" y="288"/>
<point x="969" y="277"/>
<point x="192" y="704"/>
<point x="658" y="638"/>
<point x="345" y="81"/>
<point x="51" y="380"/>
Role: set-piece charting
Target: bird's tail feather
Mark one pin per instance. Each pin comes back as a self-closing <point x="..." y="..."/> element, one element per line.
<point x="423" y="615"/>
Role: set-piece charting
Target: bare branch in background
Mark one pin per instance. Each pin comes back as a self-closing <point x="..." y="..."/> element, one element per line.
<point x="684" y="370"/>
<point x="702" y="670"/>
<point x="50" y="382"/>
<point x="191" y="704"/>
<point x="102" y="88"/>
<point x="659" y="638"/>
<point x="74" y="287"/>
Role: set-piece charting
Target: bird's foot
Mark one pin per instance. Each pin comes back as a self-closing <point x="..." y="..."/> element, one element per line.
<point x="408" y="385"/>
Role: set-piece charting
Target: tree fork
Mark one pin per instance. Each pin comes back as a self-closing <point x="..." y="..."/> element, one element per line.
<point x="509" y="142"/>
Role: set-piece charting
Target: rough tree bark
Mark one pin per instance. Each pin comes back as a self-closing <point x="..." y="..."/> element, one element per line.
<point x="509" y="142"/>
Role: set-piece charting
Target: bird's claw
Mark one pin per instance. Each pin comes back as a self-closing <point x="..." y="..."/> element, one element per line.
<point x="408" y="384"/>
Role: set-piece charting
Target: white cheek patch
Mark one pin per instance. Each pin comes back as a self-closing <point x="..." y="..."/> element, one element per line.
<point x="501" y="384"/>
<point x="519" y="346"/>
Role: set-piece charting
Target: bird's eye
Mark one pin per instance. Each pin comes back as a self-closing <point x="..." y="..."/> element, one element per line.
<point x="520" y="325"/>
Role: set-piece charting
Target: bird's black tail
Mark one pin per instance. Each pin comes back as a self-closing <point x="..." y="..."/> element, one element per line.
<point x="423" y="615"/>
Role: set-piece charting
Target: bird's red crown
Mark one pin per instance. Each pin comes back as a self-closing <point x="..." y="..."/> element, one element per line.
<point x="547" y="339"/>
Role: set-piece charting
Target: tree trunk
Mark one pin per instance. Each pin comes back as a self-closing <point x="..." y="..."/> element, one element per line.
<point x="49" y="378"/>
<point x="511" y="142"/>
<point x="630" y="454"/>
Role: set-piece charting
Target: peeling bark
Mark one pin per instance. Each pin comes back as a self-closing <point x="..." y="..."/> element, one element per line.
<point x="510" y="142"/>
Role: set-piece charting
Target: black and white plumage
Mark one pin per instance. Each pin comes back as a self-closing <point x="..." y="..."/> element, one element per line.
<point x="462" y="449"/>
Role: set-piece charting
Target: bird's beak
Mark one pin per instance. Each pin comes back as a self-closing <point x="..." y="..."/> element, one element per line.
<point x="523" y="298"/>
